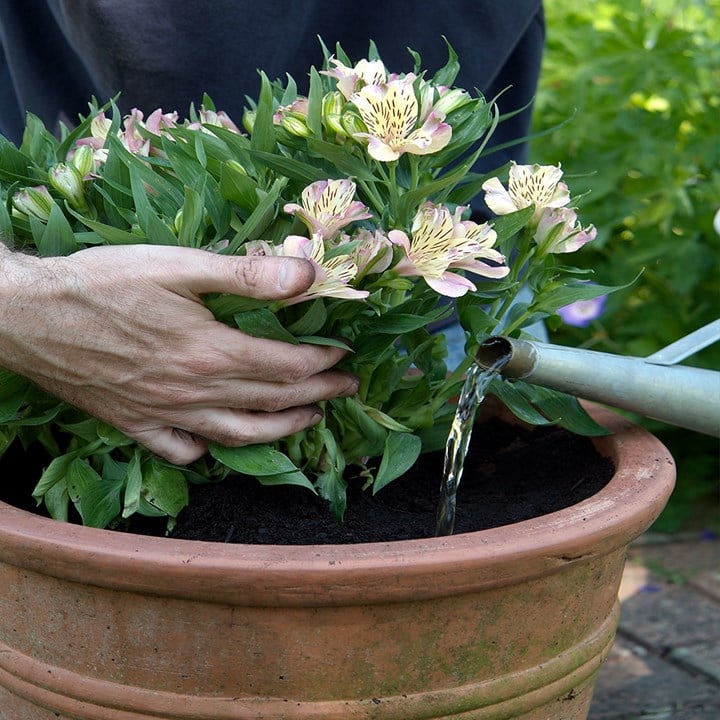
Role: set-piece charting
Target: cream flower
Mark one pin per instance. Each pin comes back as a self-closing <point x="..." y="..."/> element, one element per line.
<point x="391" y="115"/>
<point x="365" y="72"/>
<point x="332" y="275"/>
<point x="537" y="185"/>
<point x="328" y="206"/>
<point x="441" y="243"/>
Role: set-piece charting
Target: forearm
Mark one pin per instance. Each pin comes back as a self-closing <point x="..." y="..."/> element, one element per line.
<point x="26" y="287"/>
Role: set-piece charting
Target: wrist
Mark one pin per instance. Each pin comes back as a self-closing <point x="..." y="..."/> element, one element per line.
<point x="24" y="284"/>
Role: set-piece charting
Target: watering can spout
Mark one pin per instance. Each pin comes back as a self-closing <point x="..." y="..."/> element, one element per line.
<point x="654" y="386"/>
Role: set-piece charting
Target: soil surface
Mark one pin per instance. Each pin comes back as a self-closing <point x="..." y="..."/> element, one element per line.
<point x="511" y="474"/>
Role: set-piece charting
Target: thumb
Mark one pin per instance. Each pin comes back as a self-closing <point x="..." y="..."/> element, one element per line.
<point x="261" y="277"/>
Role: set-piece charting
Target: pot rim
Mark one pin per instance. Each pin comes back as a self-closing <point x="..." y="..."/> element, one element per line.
<point x="384" y="571"/>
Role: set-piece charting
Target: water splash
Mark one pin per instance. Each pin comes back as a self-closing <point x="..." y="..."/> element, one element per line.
<point x="473" y="393"/>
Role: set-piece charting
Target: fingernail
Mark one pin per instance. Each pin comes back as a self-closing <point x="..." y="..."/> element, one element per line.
<point x="352" y="386"/>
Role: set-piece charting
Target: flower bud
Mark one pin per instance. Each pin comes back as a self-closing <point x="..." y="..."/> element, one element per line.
<point x="35" y="201"/>
<point x="248" y="120"/>
<point x="332" y="107"/>
<point x="296" y="125"/>
<point x="235" y="166"/>
<point x="83" y="160"/>
<point x="177" y="222"/>
<point x="352" y="123"/>
<point x="68" y="182"/>
<point x="451" y="100"/>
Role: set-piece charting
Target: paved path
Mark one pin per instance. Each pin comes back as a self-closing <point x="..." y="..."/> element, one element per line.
<point x="665" y="664"/>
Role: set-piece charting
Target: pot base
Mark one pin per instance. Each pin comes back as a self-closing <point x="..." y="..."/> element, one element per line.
<point x="511" y="622"/>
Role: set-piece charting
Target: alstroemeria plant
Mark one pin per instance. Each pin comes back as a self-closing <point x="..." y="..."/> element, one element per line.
<point x="371" y="178"/>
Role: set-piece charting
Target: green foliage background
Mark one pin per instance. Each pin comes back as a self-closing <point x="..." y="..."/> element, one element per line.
<point x="637" y="85"/>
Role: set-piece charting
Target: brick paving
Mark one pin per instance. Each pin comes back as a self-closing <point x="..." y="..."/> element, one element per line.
<point x="665" y="664"/>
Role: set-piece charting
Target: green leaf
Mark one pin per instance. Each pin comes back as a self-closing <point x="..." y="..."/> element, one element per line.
<point x="57" y="501"/>
<point x="255" y="460"/>
<point x="572" y="292"/>
<point x="6" y="227"/>
<point x="226" y="306"/>
<point x="296" y="477"/>
<point x="383" y="419"/>
<point x="328" y="342"/>
<point x="259" y="219"/>
<point x="13" y="391"/>
<point x="112" y="436"/>
<point x="156" y="231"/>
<point x="133" y="485"/>
<point x="341" y="162"/>
<point x="167" y="193"/>
<point x="96" y="498"/>
<point x="238" y="188"/>
<point x="515" y="400"/>
<point x="401" y="452"/>
<point x="263" y="323"/>
<point x="396" y="323"/>
<point x="313" y="318"/>
<point x="164" y="487"/>
<point x="53" y="473"/>
<point x="315" y="97"/>
<point x="111" y="235"/>
<point x="446" y="75"/>
<point x="263" y="134"/>
<point x="563" y="409"/>
<point x="371" y="435"/>
<point x="507" y="226"/>
<point x="290" y="167"/>
<point x="192" y="215"/>
<point x="332" y="487"/>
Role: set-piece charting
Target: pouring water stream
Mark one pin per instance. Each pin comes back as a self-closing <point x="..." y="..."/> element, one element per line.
<point x="473" y="393"/>
<point x="655" y="386"/>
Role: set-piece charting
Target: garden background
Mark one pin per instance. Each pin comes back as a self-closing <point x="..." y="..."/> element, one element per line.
<point x="635" y="86"/>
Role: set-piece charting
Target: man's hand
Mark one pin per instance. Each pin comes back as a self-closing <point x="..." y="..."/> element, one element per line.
<point x="121" y="332"/>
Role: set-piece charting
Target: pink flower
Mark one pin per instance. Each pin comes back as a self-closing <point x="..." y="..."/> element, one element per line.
<point x="373" y="251"/>
<point x="558" y="231"/>
<point x="297" y="107"/>
<point x="158" y="121"/>
<point x="131" y="137"/>
<point x="442" y="243"/>
<point x="328" y="206"/>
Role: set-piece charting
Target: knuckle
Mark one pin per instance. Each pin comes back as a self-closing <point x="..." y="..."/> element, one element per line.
<point x="249" y="272"/>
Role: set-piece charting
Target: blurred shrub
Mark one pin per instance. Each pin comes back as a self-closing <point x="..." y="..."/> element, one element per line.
<point x="637" y="85"/>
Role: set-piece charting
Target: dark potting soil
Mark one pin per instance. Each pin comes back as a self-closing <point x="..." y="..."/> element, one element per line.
<point x="511" y="474"/>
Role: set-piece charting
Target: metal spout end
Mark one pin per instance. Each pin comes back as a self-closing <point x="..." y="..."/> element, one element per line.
<point x="513" y="358"/>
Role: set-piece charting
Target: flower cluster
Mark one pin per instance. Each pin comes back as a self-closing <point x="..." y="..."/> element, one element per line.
<point x="370" y="177"/>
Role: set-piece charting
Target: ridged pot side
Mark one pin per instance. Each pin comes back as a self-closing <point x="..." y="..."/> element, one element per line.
<point x="508" y="622"/>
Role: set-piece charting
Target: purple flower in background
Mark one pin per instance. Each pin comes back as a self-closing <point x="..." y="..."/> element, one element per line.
<point x="582" y="312"/>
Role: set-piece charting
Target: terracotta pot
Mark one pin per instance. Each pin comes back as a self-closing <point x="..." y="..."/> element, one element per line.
<point x="510" y="622"/>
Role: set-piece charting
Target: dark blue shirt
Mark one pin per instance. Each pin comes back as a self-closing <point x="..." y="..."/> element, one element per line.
<point x="56" y="54"/>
